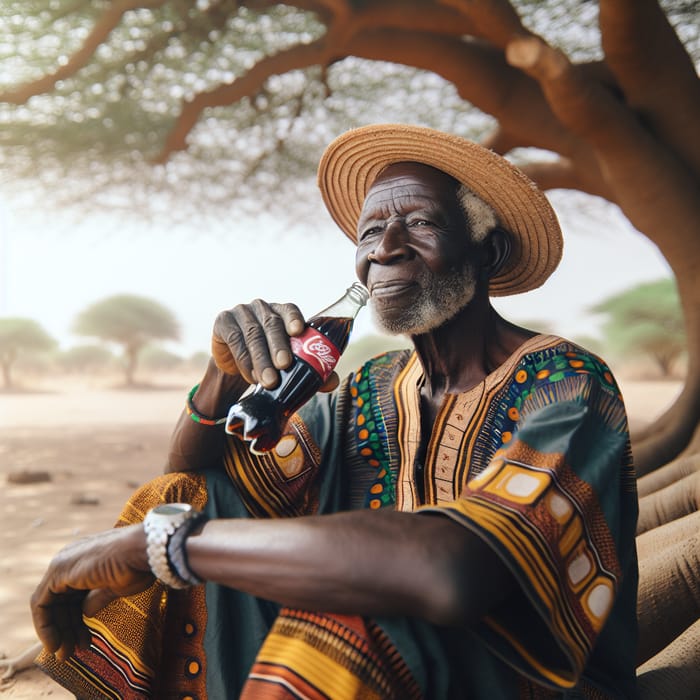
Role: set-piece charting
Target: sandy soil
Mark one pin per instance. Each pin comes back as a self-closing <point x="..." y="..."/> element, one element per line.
<point x="97" y="445"/>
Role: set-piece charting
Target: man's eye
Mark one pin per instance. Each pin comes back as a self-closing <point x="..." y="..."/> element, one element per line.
<point x="373" y="231"/>
<point x="420" y="222"/>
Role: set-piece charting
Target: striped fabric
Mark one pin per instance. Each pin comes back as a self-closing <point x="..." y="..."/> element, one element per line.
<point x="535" y="460"/>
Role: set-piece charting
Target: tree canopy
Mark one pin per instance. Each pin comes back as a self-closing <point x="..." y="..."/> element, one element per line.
<point x="130" y="321"/>
<point x="646" y="320"/>
<point x="202" y="103"/>
<point x="17" y="336"/>
<point x="123" y="103"/>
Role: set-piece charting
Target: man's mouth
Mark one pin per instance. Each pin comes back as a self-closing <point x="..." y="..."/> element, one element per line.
<point x="390" y="288"/>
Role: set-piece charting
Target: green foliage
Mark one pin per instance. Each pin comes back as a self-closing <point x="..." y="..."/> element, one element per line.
<point x="90" y="137"/>
<point x="127" y="319"/>
<point x="85" y="359"/>
<point x="18" y="337"/>
<point x="18" y="334"/>
<point x="645" y="320"/>
<point x="155" y="358"/>
<point x="130" y="321"/>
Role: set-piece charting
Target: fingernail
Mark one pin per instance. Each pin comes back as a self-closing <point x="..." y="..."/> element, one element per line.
<point x="296" y="327"/>
<point x="269" y="376"/>
<point x="283" y="358"/>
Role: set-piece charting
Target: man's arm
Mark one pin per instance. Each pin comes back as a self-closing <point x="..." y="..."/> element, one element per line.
<point x="250" y="344"/>
<point x="359" y="562"/>
<point x="194" y="445"/>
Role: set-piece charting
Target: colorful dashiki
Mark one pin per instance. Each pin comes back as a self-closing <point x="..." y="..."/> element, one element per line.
<point x="535" y="460"/>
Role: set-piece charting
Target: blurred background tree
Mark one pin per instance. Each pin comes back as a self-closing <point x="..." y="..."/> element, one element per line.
<point x="19" y="337"/>
<point x="156" y="358"/>
<point x="167" y="108"/>
<point x="130" y="321"/>
<point x="646" y="320"/>
<point x="85" y="359"/>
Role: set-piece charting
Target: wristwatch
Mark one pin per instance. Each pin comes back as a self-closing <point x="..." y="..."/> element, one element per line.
<point x="161" y="524"/>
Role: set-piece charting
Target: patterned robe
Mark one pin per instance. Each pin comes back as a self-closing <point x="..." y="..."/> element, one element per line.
<point x="535" y="460"/>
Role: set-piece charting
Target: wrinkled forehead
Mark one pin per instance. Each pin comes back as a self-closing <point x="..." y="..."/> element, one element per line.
<point x="416" y="179"/>
<point x="414" y="173"/>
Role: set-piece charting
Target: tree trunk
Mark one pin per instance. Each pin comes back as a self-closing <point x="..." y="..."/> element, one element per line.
<point x="669" y="503"/>
<point x="669" y="586"/>
<point x="7" y="374"/>
<point x="674" y="673"/>
<point x="131" y="354"/>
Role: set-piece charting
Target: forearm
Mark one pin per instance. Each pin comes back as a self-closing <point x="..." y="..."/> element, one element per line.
<point x="194" y="445"/>
<point x="360" y="562"/>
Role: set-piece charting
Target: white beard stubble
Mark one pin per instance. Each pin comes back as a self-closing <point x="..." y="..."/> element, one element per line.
<point x="442" y="297"/>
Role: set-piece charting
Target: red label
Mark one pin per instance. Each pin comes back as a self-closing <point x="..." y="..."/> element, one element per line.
<point x="313" y="347"/>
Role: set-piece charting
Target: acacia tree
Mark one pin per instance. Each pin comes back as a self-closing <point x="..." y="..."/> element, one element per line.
<point x="19" y="335"/>
<point x="646" y="320"/>
<point x="130" y="321"/>
<point x="256" y="88"/>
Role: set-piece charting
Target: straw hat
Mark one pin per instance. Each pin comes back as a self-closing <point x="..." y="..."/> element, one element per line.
<point x="352" y="161"/>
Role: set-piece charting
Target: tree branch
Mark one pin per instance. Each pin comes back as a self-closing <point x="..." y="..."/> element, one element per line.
<point x="631" y="159"/>
<point x="247" y="85"/>
<point x="109" y="19"/>
<point x="493" y="20"/>
<point x="655" y="71"/>
<point x="561" y="174"/>
<point x="481" y="76"/>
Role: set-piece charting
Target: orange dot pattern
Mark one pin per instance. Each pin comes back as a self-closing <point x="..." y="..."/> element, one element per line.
<point x="540" y="369"/>
<point x="370" y="436"/>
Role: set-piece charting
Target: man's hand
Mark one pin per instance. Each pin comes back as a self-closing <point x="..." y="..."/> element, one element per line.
<point x="252" y="340"/>
<point x="82" y="578"/>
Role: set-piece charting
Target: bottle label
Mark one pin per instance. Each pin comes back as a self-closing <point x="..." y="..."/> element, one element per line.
<point x="313" y="347"/>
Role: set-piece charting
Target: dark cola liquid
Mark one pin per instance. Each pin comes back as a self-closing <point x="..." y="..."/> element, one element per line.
<point x="261" y="415"/>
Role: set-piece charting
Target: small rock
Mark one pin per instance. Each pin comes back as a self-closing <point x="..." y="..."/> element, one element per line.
<point x="82" y="499"/>
<point x="27" y="476"/>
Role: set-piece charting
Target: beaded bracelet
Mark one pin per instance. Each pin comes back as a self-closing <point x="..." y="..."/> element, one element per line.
<point x="197" y="417"/>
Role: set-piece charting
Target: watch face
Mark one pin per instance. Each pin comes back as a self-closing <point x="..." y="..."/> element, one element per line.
<point x="172" y="508"/>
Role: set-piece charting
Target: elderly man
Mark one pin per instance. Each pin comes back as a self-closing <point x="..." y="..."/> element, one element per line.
<point x="455" y="521"/>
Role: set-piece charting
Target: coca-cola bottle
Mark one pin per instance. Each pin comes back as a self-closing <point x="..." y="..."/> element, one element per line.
<point x="260" y="415"/>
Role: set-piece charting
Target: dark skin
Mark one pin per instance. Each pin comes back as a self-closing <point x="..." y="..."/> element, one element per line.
<point x="439" y="571"/>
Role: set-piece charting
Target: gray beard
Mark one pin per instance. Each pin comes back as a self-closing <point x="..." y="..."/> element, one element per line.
<point x="442" y="298"/>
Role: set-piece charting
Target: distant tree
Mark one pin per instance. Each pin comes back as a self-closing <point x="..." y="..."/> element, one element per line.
<point x="84" y="359"/>
<point x="646" y="319"/>
<point x="155" y="357"/>
<point x="104" y="104"/>
<point x="19" y="335"/>
<point x="198" y="361"/>
<point x="591" y="343"/>
<point x="130" y="321"/>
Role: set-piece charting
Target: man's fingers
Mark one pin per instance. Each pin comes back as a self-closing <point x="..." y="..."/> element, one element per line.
<point x="331" y="383"/>
<point x="293" y="319"/>
<point x="253" y="340"/>
<point x="98" y="599"/>
<point x="43" y="618"/>
<point x="66" y="618"/>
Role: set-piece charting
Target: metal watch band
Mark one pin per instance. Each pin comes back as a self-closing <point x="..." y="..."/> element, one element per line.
<point x="160" y="524"/>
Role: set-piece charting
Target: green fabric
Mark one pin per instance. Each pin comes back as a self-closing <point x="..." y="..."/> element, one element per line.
<point x="559" y="404"/>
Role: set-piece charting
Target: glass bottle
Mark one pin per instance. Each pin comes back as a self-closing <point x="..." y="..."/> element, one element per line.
<point x="261" y="414"/>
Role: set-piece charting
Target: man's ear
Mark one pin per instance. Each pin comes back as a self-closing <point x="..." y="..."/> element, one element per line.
<point x="497" y="249"/>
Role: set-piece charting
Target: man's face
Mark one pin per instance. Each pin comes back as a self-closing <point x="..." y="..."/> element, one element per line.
<point x="414" y="252"/>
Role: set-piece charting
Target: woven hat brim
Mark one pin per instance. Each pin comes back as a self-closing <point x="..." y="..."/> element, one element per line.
<point x="351" y="163"/>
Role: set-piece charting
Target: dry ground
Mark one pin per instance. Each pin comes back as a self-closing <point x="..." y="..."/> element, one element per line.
<point x="97" y="445"/>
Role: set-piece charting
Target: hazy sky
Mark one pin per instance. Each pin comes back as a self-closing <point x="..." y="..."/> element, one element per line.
<point x="51" y="269"/>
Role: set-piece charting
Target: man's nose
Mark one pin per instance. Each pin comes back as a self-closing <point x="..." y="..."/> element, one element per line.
<point x="393" y="243"/>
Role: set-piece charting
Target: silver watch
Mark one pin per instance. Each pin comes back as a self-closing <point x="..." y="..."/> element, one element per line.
<point x="160" y="524"/>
